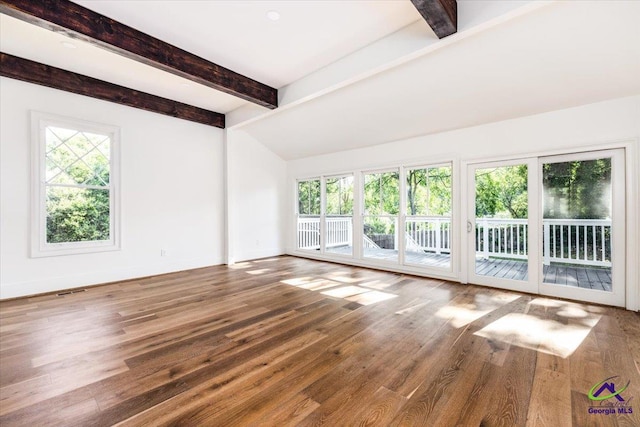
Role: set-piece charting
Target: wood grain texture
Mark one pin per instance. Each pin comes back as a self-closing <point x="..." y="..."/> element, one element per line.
<point x="73" y="20"/>
<point x="266" y="343"/>
<point x="45" y="75"/>
<point x="441" y="15"/>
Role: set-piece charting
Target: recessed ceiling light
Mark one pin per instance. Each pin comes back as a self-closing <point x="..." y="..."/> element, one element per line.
<point x="273" y="15"/>
<point x="68" y="45"/>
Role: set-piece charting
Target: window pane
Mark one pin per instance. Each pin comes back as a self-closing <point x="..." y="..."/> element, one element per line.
<point x="309" y="197"/>
<point x="576" y="227"/>
<point x="429" y="191"/>
<point x="74" y="157"/>
<point x="309" y="214"/>
<point x="501" y="232"/>
<point x="380" y="239"/>
<point x="303" y="197"/>
<point x="382" y="193"/>
<point x="339" y="219"/>
<point x="579" y="189"/>
<point x="339" y="196"/>
<point x="77" y="215"/>
<point x="428" y="222"/>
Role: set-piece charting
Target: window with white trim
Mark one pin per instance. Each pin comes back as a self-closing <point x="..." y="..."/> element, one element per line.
<point x="309" y="214"/>
<point x="75" y="189"/>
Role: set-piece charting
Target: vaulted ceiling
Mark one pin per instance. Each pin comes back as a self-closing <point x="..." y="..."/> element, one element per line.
<point x="237" y="35"/>
<point x="359" y="73"/>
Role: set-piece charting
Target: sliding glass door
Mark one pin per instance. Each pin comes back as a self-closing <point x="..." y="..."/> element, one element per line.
<point x="502" y="251"/>
<point x="582" y="228"/>
<point x="551" y="225"/>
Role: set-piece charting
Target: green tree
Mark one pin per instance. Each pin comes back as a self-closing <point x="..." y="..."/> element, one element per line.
<point x="502" y="192"/>
<point x="382" y="193"/>
<point x="578" y="189"/>
<point x="77" y="166"/>
<point x="429" y="191"/>
<point x="339" y="193"/>
<point x="381" y="198"/>
<point x="309" y="197"/>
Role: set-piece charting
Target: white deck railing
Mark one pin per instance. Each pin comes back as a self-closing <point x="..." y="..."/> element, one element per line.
<point x="309" y="233"/>
<point x="503" y="238"/>
<point x="339" y="232"/>
<point x="431" y="234"/>
<point x="568" y="241"/>
<point x="577" y="241"/>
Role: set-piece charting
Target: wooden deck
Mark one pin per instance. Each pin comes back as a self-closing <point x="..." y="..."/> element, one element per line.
<point x="293" y="342"/>
<point x="582" y="277"/>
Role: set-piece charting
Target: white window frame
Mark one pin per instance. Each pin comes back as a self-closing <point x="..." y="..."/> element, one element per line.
<point x="39" y="246"/>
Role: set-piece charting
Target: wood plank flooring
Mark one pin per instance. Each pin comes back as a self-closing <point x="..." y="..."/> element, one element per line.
<point x="288" y="341"/>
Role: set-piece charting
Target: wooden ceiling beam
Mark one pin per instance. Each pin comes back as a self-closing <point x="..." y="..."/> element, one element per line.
<point x="45" y="75"/>
<point x="78" y="22"/>
<point x="441" y="15"/>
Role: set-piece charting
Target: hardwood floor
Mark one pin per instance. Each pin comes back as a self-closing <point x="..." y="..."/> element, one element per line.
<point x="289" y="341"/>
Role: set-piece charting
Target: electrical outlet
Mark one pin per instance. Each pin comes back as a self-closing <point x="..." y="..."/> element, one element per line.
<point x="163" y="252"/>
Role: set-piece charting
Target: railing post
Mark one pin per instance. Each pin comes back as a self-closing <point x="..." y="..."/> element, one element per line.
<point x="546" y="254"/>
<point x="485" y="239"/>
<point x="438" y="237"/>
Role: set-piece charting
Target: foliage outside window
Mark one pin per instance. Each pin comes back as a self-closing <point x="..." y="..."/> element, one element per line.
<point x="309" y="197"/>
<point x="577" y="189"/>
<point x="75" y="197"/>
<point x="382" y="193"/>
<point x="502" y="192"/>
<point x="429" y="191"/>
<point x="381" y="207"/>
<point x="339" y="193"/>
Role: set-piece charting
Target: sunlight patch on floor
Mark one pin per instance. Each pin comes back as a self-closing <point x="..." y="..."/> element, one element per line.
<point x="344" y="291"/>
<point x="462" y="314"/>
<point x="371" y="297"/>
<point x="362" y="295"/>
<point x="567" y="308"/>
<point x="297" y="281"/>
<point x="339" y="277"/>
<point x="320" y="284"/>
<point x="259" y="271"/>
<point x="376" y="284"/>
<point x="544" y="335"/>
<point x="413" y="308"/>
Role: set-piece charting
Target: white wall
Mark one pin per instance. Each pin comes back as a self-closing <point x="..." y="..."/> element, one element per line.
<point x="172" y="194"/>
<point x="257" y="196"/>
<point x="574" y="128"/>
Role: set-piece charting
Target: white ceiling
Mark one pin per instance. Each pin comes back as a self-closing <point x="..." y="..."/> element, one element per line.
<point x="545" y="58"/>
<point x="235" y="34"/>
<point x="558" y="56"/>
